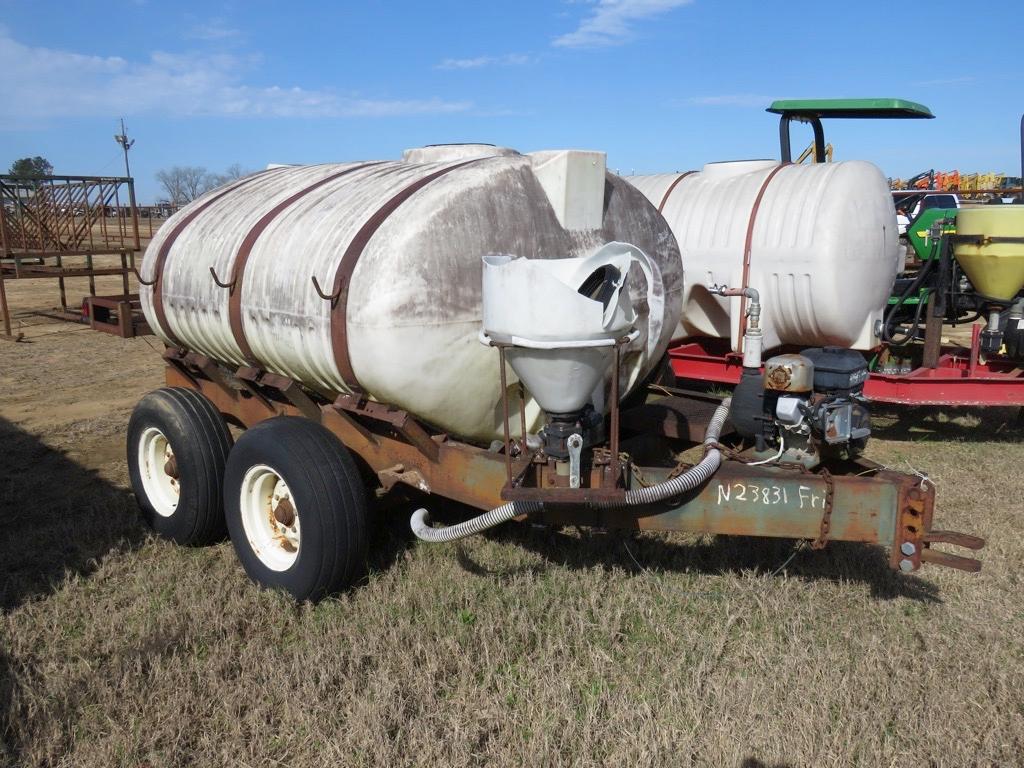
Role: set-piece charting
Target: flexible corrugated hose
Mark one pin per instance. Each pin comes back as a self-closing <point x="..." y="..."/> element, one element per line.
<point x="692" y="478"/>
<point x="497" y="516"/>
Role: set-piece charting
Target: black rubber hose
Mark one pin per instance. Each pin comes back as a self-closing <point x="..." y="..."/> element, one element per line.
<point x="887" y="322"/>
<point x="911" y="333"/>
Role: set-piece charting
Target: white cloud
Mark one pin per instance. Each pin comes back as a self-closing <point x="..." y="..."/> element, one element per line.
<point x="611" y="22"/>
<point x="52" y="83"/>
<point x="731" y="100"/>
<point x="507" y="60"/>
<point x="213" y="30"/>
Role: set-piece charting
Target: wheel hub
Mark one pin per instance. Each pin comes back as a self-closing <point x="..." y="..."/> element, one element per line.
<point x="159" y="470"/>
<point x="284" y="512"/>
<point x="270" y="518"/>
<point x="171" y="464"/>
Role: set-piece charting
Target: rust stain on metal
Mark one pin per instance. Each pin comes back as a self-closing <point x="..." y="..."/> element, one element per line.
<point x="248" y="409"/>
<point x="398" y="474"/>
<point x="462" y="472"/>
<point x="291" y="390"/>
<point x="935" y="557"/>
<point x="399" y="419"/>
<point x="873" y="506"/>
<point x="780" y="377"/>
<point x="275" y="529"/>
<point x="46" y="219"/>
<point x="826" y="516"/>
<point x="914" y="519"/>
<point x="347" y="265"/>
<point x="117" y="315"/>
<point x="284" y="513"/>
<point x="245" y="249"/>
<point x="789" y="373"/>
<point x="212" y="371"/>
<point x="954" y="537"/>
<point x="171" y="467"/>
<point x="748" y="244"/>
<point x="671" y="188"/>
<point x="165" y="249"/>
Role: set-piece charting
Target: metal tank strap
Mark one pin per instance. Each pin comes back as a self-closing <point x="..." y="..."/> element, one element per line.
<point x="749" y="242"/>
<point x="245" y="249"/>
<point x="347" y="266"/>
<point x="165" y="249"/>
<point x="671" y="188"/>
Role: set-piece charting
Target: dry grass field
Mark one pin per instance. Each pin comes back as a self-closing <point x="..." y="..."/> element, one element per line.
<point x="525" y="647"/>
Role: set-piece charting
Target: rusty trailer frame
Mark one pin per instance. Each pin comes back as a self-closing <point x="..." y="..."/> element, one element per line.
<point x="55" y="227"/>
<point x="855" y="501"/>
<point x="117" y="315"/>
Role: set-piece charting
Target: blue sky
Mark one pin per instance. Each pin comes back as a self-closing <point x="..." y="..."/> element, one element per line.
<point x="658" y="84"/>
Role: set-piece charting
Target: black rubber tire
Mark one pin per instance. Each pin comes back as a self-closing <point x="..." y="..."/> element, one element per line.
<point x="201" y="442"/>
<point x="329" y="496"/>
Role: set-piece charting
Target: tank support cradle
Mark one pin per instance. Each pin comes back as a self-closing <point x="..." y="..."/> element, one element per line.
<point x="869" y="504"/>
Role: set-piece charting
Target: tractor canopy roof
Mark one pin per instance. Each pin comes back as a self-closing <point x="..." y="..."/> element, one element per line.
<point x="855" y="108"/>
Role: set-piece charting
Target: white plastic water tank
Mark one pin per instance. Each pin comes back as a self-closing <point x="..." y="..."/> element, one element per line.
<point x="821" y="242"/>
<point x="396" y="249"/>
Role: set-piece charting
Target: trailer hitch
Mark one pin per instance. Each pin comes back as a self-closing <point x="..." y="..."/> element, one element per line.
<point x="914" y="537"/>
<point x="935" y="557"/>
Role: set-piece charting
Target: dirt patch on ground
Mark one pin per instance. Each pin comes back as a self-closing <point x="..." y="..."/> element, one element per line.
<point x="526" y="647"/>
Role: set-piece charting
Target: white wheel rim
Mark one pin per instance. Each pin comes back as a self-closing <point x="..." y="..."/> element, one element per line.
<point x="158" y="468"/>
<point x="272" y="529"/>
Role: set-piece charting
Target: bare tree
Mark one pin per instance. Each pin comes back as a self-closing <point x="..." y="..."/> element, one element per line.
<point x="231" y="173"/>
<point x="184" y="183"/>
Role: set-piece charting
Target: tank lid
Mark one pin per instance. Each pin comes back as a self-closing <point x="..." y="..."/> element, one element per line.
<point x="446" y="153"/>
<point x="727" y="168"/>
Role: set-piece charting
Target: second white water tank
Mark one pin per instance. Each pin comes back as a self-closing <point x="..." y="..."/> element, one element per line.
<point x="820" y="242"/>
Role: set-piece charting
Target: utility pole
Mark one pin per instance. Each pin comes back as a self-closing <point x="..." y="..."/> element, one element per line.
<point x="126" y="144"/>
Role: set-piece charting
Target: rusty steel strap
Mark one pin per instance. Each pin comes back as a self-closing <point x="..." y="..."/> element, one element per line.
<point x="245" y="249"/>
<point x="347" y="266"/>
<point x="748" y="244"/>
<point x="671" y="188"/>
<point x="165" y="249"/>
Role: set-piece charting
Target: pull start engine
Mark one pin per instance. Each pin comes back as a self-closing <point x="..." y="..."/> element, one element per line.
<point x="807" y="404"/>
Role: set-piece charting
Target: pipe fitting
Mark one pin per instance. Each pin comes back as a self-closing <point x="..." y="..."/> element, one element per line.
<point x="753" y="310"/>
<point x="753" y="338"/>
